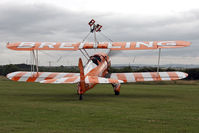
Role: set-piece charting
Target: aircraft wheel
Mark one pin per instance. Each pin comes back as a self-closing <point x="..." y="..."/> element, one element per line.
<point x="80" y="97"/>
<point x="117" y="93"/>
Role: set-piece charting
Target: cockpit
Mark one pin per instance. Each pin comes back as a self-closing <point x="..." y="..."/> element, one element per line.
<point x="92" y="63"/>
<point x="95" y="59"/>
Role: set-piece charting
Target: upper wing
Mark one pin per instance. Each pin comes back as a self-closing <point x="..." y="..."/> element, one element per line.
<point x="148" y="76"/>
<point x="28" y="46"/>
<point x="37" y="77"/>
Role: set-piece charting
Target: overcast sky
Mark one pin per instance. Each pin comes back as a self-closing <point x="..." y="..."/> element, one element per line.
<point x="122" y="20"/>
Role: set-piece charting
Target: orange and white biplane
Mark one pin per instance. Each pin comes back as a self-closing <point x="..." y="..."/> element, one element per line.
<point x="96" y="70"/>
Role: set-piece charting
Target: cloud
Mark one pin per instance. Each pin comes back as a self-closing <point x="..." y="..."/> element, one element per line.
<point x="40" y="22"/>
<point x="178" y="26"/>
<point x="44" y="22"/>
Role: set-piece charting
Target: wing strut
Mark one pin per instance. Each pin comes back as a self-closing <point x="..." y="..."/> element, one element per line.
<point x="35" y="61"/>
<point x="158" y="67"/>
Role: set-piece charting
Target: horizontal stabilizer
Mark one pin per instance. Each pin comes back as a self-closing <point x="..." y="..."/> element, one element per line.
<point x="148" y="76"/>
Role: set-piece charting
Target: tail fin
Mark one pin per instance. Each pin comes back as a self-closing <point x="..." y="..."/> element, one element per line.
<point x="82" y="77"/>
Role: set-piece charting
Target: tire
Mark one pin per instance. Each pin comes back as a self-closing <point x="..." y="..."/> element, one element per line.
<point x="117" y="93"/>
<point x="80" y="97"/>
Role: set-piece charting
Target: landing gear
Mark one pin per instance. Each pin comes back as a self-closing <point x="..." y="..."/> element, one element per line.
<point x="116" y="88"/>
<point x="117" y="93"/>
<point x="79" y="93"/>
<point x="80" y="96"/>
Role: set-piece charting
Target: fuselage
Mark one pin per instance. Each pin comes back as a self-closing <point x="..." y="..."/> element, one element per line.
<point x="97" y="65"/>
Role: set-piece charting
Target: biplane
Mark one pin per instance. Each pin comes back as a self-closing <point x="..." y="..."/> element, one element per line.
<point x="96" y="70"/>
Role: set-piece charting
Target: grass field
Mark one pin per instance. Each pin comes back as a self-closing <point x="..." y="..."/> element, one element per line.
<point x="167" y="107"/>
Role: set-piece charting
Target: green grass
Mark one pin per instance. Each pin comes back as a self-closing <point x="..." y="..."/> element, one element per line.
<point x="167" y="107"/>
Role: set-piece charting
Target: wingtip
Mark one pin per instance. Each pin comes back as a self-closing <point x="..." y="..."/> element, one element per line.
<point x="8" y="76"/>
<point x="186" y="75"/>
<point x="182" y="75"/>
<point x="187" y="43"/>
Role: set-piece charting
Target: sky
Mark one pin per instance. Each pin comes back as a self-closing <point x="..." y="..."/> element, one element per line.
<point x="122" y="20"/>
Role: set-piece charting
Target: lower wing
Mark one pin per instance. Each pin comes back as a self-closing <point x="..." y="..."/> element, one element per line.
<point x="148" y="76"/>
<point x="53" y="77"/>
<point x="88" y="80"/>
<point x="37" y="77"/>
<point x="57" y="78"/>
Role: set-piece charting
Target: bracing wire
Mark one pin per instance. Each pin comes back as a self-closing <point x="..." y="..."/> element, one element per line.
<point x="86" y="36"/>
<point x="106" y="37"/>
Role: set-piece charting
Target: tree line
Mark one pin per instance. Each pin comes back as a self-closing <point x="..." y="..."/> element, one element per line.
<point x="5" y="69"/>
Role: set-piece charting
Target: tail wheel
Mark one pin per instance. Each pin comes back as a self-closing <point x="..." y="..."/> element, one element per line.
<point x="116" y="88"/>
<point x="80" y="97"/>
